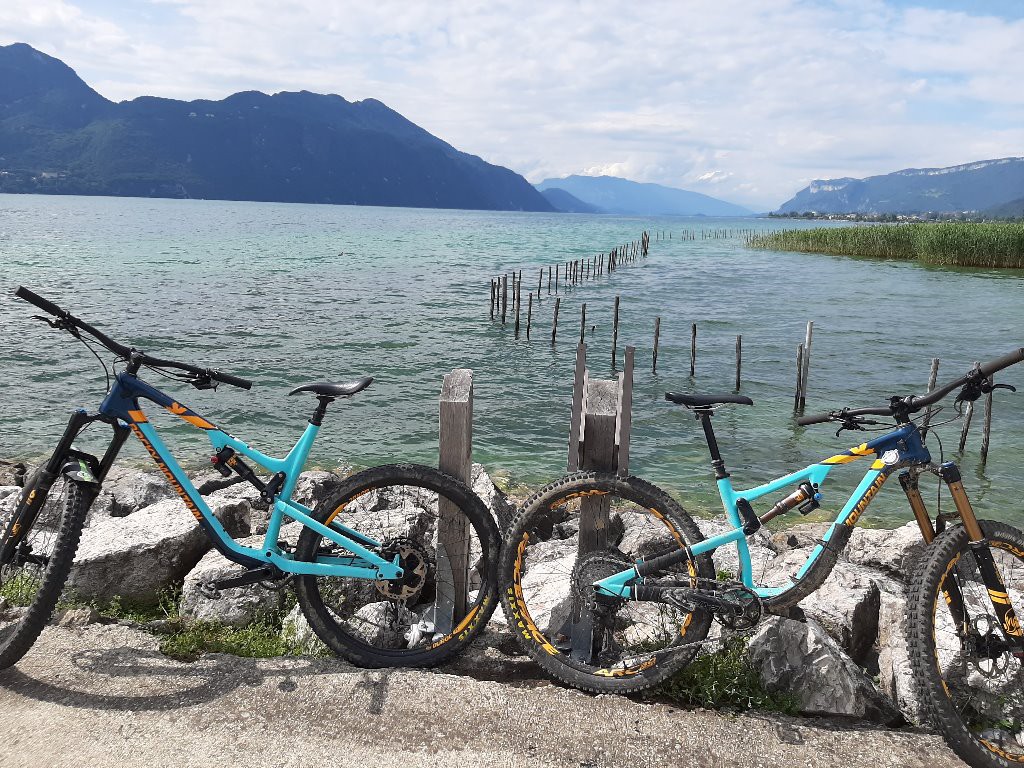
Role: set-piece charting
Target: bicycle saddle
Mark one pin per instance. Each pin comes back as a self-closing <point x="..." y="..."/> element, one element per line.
<point x="333" y="389"/>
<point x="703" y="401"/>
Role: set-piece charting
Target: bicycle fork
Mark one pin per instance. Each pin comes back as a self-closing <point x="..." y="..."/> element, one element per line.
<point x="34" y="495"/>
<point x="989" y="571"/>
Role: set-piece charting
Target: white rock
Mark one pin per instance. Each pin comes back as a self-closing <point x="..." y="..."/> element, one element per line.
<point x="801" y="659"/>
<point x="891" y="550"/>
<point x="497" y="502"/>
<point x="299" y="638"/>
<point x="139" y="555"/>
<point x="237" y="606"/>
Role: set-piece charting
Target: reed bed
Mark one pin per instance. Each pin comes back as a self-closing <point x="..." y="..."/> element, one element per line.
<point x="948" y="244"/>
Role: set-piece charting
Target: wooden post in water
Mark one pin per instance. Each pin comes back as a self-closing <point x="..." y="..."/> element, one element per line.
<point x="693" y="348"/>
<point x="504" y="297"/>
<point x="549" y="281"/>
<point x="799" y="376"/>
<point x="932" y="377"/>
<point x="540" y="279"/>
<point x="453" y="533"/>
<point x="576" y="417"/>
<point x="807" y="365"/>
<point x="615" y="332"/>
<point x="554" y="320"/>
<point x="624" y="413"/>
<point x="492" y="299"/>
<point x="657" y="333"/>
<point x="583" y="321"/>
<point x="739" y="360"/>
<point x="518" y="299"/>
<point x="556" y="277"/>
<point x="986" y="432"/>
<point x="529" y="313"/>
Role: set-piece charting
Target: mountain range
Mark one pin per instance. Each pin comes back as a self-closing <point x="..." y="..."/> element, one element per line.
<point x="610" y="194"/>
<point x="986" y="186"/>
<point x="58" y="135"/>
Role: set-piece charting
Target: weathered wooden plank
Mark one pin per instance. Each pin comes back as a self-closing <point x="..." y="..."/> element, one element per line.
<point x="456" y="458"/>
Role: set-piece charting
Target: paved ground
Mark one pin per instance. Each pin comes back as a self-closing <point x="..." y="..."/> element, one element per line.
<point x="104" y="696"/>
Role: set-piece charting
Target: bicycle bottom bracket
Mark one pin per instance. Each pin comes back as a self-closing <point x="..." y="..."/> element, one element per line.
<point x="415" y="565"/>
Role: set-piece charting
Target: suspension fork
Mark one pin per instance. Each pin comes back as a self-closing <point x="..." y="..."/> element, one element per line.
<point x="33" y="497"/>
<point x="1004" y="611"/>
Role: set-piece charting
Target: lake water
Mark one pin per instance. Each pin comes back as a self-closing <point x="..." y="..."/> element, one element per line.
<point x="285" y="294"/>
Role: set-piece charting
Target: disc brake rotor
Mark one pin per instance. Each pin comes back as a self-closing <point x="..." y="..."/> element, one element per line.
<point x="415" y="565"/>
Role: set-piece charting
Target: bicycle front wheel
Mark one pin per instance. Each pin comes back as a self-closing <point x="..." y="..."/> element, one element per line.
<point x="447" y="544"/>
<point x="546" y="583"/>
<point x="970" y="678"/>
<point x="32" y="582"/>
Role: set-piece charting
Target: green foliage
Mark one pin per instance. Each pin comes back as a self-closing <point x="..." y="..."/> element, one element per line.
<point x="21" y="590"/>
<point x="259" y="640"/>
<point x="948" y="244"/>
<point x="725" y="680"/>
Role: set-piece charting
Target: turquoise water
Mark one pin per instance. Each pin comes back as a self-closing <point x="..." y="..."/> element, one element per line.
<point x="285" y="294"/>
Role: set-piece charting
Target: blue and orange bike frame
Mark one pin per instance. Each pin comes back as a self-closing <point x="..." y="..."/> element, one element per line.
<point x="901" y="449"/>
<point x="121" y="409"/>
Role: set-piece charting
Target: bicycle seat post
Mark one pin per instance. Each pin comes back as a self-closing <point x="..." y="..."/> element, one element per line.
<point x="703" y="415"/>
<point x="321" y="409"/>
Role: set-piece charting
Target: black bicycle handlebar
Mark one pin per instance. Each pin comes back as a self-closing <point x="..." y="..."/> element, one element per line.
<point x="915" y="403"/>
<point x="120" y="349"/>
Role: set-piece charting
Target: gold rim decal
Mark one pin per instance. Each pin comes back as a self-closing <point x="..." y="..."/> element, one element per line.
<point x="340" y="509"/>
<point x="520" y="614"/>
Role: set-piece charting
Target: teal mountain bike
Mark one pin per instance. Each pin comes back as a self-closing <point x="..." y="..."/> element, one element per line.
<point x="628" y="603"/>
<point x="396" y="568"/>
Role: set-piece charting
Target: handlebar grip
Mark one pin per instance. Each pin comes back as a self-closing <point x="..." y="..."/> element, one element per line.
<point x="39" y="301"/>
<point x="234" y="381"/>
<point x="1002" y="362"/>
<point x="818" y="418"/>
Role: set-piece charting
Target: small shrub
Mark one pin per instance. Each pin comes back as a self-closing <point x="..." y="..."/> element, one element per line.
<point x="725" y="680"/>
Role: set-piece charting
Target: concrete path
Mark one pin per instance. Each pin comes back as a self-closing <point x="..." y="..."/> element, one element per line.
<point x="104" y="696"/>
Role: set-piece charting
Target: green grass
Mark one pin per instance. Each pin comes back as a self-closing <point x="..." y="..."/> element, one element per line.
<point x="948" y="244"/>
<point x="260" y="640"/>
<point x="21" y="590"/>
<point x="725" y="680"/>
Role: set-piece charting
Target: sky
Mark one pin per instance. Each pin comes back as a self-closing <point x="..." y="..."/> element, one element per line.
<point x="745" y="100"/>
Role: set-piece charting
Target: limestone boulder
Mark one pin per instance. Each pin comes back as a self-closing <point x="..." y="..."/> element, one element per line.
<point x="237" y="606"/>
<point x="127" y="489"/>
<point x="762" y="551"/>
<point x="895" y="676"/>
<point x="803" y="660"/>
<point x="502" y="510"/>
<point x="299" y="638"/>
<point x="894" y="551"/>
<point x="137" y="556"/>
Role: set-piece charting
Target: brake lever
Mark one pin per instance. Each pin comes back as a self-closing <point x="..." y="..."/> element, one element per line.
<point x="204" y="382"/>
<point x="990" y="387"/>
<point x="59" y="323"/>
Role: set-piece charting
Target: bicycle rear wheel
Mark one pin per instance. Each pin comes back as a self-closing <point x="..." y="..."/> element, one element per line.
<point x="31" y="584"/>
<point x="432" y="523"/>
<point x="972" y="683"/>
<point x="548" y="598"/>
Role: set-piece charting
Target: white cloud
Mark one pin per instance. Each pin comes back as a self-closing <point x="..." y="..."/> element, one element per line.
<point x="743" y="100"/>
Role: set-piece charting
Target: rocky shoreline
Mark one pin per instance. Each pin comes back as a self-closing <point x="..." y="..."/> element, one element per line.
<point x="845" y="656"/>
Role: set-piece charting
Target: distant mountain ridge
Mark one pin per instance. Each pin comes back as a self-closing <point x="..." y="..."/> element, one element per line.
<point x="976" y="186"/>
<point x="58" y="135"/>
<point x="568" y="203"/>
<point x="615" y="195"/>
